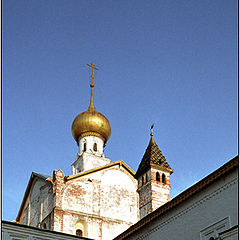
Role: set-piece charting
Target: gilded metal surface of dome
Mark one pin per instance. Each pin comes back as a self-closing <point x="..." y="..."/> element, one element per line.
<point x="91" y="122"/>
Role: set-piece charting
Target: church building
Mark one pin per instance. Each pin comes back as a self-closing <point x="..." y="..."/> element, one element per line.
<point x="101" y="199"/>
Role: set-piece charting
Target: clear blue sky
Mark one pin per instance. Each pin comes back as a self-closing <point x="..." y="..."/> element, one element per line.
<point x="171" y="63"/>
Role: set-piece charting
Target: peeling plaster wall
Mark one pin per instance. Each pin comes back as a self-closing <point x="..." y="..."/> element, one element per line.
<point x="160" y="190"/>
<point x="152" y="193"/>
<point x="119" y="196"/>
<point x="106" y="202"/>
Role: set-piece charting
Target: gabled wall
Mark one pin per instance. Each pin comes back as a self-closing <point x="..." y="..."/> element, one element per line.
<point x="38" y="205"/>
<point x="103" y="203"/>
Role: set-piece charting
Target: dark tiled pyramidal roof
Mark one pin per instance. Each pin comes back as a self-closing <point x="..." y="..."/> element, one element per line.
<point x="152" y="156"/>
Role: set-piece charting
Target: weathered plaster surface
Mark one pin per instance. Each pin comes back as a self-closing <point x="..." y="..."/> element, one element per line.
<point x="105" y="202"/>
<point x="152" y="193"/>
<point x="160" y="190"/>
<point x="102" y="203"/>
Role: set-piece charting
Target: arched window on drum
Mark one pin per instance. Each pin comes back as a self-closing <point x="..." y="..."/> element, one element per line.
<point x="85" y="147"/>
<point x="95" y="147"/>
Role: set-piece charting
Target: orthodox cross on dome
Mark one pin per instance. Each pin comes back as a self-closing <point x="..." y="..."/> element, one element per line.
<point x="92" y="65"/>
<point x="91" y="107"/>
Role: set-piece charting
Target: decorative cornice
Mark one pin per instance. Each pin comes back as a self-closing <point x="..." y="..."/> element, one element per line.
<point x="92" y="215"/>
<point x="91" y="134"/>
<point x="211" y="178"/>
<point x="161" y="168"/>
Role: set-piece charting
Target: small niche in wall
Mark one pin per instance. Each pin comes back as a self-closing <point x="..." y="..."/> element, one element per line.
<point x="79" y="233"/>
<point x="80" y="228"/>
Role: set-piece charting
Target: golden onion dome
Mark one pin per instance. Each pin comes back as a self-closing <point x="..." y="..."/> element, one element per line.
<point x="91" y="122"/>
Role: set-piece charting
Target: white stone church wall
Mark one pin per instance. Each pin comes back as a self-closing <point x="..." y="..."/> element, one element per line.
<point x="39" y="203"/>
<point x="88" y="161"/>
<point x="105" y="201"/>
<point x="24" y="217"/>
<point x="46" y="201"/>
<point x="78" y="197"/>
<point x="112" y="229"/>
<point x="120" y="189"/>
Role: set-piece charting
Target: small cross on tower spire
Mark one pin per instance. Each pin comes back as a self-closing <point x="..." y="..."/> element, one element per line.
<point x="151" y="134"/>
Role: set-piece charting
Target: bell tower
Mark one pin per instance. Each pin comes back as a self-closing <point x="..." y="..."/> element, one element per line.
<point x="153" y="177"/>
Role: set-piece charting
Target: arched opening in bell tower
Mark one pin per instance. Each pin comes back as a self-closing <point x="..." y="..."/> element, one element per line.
<point x="163" y="178"/>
